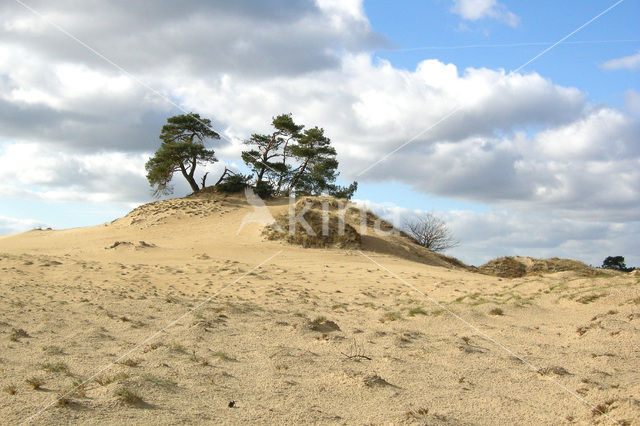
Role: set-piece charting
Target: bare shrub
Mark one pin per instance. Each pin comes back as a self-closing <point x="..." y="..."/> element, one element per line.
<point x="431" y="232"/>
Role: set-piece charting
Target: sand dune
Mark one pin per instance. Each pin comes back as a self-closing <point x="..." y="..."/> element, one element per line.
<point x="314" y="335"/>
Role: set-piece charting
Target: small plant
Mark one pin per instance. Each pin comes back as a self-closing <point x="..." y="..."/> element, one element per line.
<point x="128" y="396"/>
<point x="52" y="350"/>
<point x="56" y="367"/>
<point x="177" y="347"/>
<point x="129" y="362"/>
<point x="356" y="352"/>
<point x="223" y="356"/>
<point x="63" y="401"/>
<point x="391" y="316"/>
<point x="194" y="357"/>
<point x="420" y="412"/>
<point x="11" y="389"/>
<point x="36" y="383"/>
<point x="104" y="381"/>
<point x="17" y="334"/>
<point x="417" y="311"/>
<point x="496" y="311"/>
<point x="323" y="325"/>
<point x="166" y="383"/>
<point x="589" y="298"/>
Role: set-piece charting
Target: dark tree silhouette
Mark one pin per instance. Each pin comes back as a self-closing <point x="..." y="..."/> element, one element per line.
<point x="614" y="262"/>
<point x="181" y="150"/>
<point x="290" y="159"/>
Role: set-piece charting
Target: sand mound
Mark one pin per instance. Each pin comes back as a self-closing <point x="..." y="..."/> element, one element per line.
<point x="160" y="212"/>
<point x="315" y="228"/>
<point x="515" y="267"/>
<point x="346" y="225"/>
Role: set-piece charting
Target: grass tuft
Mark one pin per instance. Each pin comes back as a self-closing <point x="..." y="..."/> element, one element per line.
<point x="55" y="367"/>
<point x="128" y="396"/>
<point x="417" y="311"/>
<point x="391" y="316"/>
<point x="36" y="383"/>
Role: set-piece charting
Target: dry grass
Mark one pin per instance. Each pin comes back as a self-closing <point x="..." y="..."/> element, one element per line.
<point x="496" y="311"/>
<point x="36" y="383"/>
<point x="391" y="316"/>
<point x="159" y="381"/>
<point x="417" y="311"/>
<point x="516" y="267"/>
<point x="53" y="350"/>
<point x="17" y="334"/>
<point x="56" y="367"/>
<point x="128" y="396"/>
<point x="325" y="231"/>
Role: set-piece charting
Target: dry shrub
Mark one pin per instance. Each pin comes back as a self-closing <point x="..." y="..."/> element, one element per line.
<point x="504" y="267"/>
<point x="515" y="267"/>
<point x="328" y="231"/>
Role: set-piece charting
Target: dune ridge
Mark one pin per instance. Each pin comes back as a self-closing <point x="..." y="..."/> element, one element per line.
<point x="315" y="335"/>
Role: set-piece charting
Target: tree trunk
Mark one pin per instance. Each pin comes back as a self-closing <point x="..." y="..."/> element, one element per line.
<point x="223" y="175"/>
<point x="190" y="179"/>
<point x="297" y="176"/>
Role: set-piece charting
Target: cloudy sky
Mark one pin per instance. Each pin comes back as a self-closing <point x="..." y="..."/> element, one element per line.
<point x="522" y="153"/>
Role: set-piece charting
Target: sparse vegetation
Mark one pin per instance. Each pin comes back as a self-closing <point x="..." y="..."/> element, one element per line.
<point x="391" y="316"/>
<point x="178" y="347"/>
<point x="128" y="396"/>
<point x="496" y="311"/>
<point x="10" y="389"/>
<point x="36" y="383"/>
<point x="129" y="362"/>
<point x="420" y="413"/>
<point x="589" y="298"/>
<point x="223" y="356"/>
<point x="106" y="380"/>
<point x="159" y="381"/>
<point x="53" y="350"/>
<point x="56" y="367"/>
<point x="417" y="311"/>
<point x="17" y="334"/>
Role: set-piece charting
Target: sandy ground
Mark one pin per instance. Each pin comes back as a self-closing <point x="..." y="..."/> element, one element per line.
<point x="312" y="336"/>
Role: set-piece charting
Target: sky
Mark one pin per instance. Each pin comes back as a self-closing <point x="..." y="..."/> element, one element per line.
<point x="461" y="107"/>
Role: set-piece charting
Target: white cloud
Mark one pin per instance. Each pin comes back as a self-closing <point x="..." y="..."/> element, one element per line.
<point x="12" y="225"/>
<point x="631" y="62"/>
<point x="473" y="10"/>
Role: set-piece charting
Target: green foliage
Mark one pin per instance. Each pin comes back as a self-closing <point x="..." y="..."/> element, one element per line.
<point x="344" y="191"/>
<point x="267" y="159"/>
<point x="264" y="189"/>
<point x="318" y="164"/>
<point x="182" y="150"/>
<point x="614" y="262"/>
<point x="234" y="183"/>
<point x="291" y="158"/>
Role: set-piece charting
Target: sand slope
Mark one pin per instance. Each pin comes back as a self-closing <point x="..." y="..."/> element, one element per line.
<point x="313" y="336"/>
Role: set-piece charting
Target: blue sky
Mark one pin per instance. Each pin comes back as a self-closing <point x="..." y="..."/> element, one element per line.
<point x="423" y="24"/>
<point x="540" y="162"/>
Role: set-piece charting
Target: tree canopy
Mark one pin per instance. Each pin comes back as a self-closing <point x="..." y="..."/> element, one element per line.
<point x="292" y="158"/>
<point x="288" y="159"/>
<point x="614" y="262"/>
<point x="182" y="150"/>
